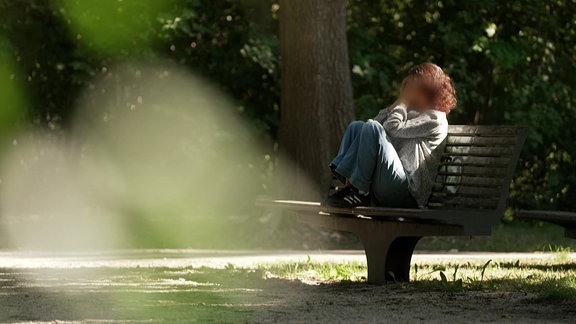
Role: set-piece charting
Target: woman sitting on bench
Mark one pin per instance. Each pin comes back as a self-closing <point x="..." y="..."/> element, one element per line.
<point x="392" y="159"/>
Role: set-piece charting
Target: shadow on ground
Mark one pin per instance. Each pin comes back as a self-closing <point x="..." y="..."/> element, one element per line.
<point x="235" y="295"/>
<point x="139" y="294"/>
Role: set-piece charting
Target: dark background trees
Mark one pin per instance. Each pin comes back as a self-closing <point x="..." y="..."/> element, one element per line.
<point x="513" y="63"/>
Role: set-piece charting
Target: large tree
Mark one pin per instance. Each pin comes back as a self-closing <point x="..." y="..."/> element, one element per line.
<point x="316" y="99"/>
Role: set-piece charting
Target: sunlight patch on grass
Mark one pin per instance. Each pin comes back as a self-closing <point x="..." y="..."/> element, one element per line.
<point x="549" y="280"/>
<point x="316" y="272"/>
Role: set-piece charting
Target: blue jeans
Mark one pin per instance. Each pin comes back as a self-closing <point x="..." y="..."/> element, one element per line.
<point x="370" y="162"/>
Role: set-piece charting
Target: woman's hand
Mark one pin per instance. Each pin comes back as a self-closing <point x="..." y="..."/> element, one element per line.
<point x="405" y="90"/>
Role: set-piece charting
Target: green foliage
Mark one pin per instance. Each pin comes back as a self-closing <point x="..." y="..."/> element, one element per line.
<point x="12" y="97"/>
<point x="113" y="26"/>
<point x="512" y="62"/>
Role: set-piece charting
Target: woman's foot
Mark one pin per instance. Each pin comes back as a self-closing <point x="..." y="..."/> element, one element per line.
<point x="349" y="197"/>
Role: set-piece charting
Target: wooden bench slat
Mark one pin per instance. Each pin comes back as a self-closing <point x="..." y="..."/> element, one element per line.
<point x="479" y="134"/>
<point x="488" y="153"/>
<point x="480" y="144"/>
<point x="470" y="167"/>
<point x="563" y="218"/>
<point x="469" y="181"/>
<point x="477" y="150"/>
<point x="466" y="174"/>
<point x="467" y="190"/>
<point x="459" y="201"/>
<point x="457" y="160"/>
<point x="473" y="171"/>
<point x="380" y="213"/>
<point x="559" y="217"/>
<point x="474" y="199"/>
<point x="484" y="130"/>
<point x="480" y="141"/>
<point x="447" y="206"/>
<point x="466" y="200"/>
<point x="472" y="164"/>
<point x="316" y="207"/>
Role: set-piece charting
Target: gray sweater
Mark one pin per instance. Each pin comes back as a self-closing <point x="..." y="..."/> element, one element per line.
<point x="417" y="138"/>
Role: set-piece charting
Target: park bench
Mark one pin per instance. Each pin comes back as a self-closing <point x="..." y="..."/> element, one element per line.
<point x="562" y="218"/>
<point x="469" y="196"/>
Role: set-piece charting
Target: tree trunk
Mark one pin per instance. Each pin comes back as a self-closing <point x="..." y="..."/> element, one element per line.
<point x="317" y="101"/>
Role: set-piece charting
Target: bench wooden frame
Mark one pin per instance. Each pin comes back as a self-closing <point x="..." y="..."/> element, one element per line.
<point x="562" y="218"/>
<point x="469" y="196"/>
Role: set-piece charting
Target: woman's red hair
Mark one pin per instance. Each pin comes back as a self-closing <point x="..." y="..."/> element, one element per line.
<point x="437" y="84"/>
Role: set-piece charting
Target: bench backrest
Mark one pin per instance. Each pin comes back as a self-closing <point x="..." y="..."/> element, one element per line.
<point x="477" y="166"/>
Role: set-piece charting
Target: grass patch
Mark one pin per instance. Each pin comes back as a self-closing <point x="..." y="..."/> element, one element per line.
<point x="326" y="272"/>
<point x="548" y="280"/>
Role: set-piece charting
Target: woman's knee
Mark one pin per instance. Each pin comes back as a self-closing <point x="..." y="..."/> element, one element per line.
<point x="374" y="130"/>
<point x="357" y="124"/>
<point x="372" y="126"/>
<point x="354" y="128"/>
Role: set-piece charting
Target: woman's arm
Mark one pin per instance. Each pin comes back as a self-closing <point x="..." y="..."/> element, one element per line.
<point x="384" y="113"/>
<point x="397" y="124"/>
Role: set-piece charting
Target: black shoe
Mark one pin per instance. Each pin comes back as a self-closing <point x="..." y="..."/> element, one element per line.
<point x="348" y="197"/>
<point x="337" y="195"/>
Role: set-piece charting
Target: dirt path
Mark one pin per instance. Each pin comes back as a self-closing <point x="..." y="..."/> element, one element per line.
<point x="176" y="286"/>
<point x="396" y="304"/>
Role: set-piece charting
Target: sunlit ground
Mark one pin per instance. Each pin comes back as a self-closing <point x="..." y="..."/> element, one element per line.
<point x="170" y="285"/>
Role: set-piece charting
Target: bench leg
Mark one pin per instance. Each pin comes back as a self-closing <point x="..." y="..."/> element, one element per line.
<point x="389" y="258"/>
<point x="399" y="257"/>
